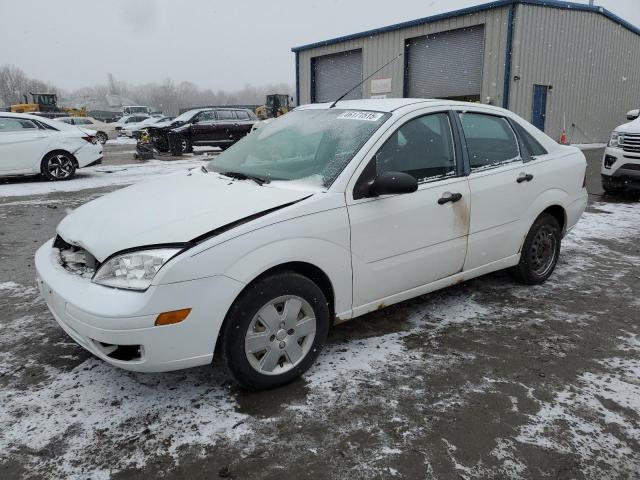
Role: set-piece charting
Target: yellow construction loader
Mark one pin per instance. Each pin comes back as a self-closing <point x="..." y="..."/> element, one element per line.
<point x="277" y="104"/>
<point x="46" y="105"/>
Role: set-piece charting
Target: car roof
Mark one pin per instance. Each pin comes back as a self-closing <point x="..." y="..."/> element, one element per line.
<point x="389" y="105"/>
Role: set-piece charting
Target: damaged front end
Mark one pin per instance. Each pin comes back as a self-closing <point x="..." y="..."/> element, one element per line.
<point x="74" y="259"/>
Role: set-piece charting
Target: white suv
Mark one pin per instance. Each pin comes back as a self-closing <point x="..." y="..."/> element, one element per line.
<point x="621" y="162"/>
<point x="325" y="214"/>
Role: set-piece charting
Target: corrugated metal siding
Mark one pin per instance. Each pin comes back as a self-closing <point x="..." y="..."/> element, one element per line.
<point x="379" y="49"/>
<point x="592" y="63"/>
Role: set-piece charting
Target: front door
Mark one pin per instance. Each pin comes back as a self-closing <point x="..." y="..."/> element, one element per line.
<point x="400" y="242"/>
<point x="22" y="145"/>
<point x="539" y="115"/>
<point x="203" y="128"/>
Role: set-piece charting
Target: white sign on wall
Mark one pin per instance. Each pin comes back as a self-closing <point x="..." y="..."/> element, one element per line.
<point x="381" y="85"/>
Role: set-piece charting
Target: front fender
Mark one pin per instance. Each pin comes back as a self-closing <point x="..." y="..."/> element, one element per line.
<point x="321" y="239"/>
<point x="334" y="260"/>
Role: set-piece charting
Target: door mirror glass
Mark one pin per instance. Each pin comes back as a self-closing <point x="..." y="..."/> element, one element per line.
<point x="393" y="183"/>
<point x="633" y="114"/>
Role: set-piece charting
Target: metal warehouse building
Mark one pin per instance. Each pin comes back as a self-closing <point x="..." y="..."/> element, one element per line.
<point x="548" y="61"/>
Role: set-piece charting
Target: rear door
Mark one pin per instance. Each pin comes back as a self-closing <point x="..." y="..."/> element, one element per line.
<point x="226" y="126"/>
<point x="243" y="124"/>
<point x="500" y="189"/>
<point x="22" y="145"/>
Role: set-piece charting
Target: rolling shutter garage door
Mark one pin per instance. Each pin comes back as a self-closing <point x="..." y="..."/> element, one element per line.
<point x="333" y="75"/>
<point x="446" y="65"/>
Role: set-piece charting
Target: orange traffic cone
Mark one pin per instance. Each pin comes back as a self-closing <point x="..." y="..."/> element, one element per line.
<point x="563" y="137"/>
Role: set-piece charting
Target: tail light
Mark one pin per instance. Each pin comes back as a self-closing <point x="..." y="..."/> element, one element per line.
<point x="90" y="139"/>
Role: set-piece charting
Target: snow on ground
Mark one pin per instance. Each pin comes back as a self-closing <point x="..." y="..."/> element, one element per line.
<point x="162" y="414"/>
<point x="589" y="146"/>
<point x="101" y="176"/>
<point x="122" y="141"/>
<point x="584" y="418"/>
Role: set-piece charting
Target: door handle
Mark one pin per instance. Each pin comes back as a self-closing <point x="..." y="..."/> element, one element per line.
<point x="524" y="177"/>
<point x="449" y="197"/>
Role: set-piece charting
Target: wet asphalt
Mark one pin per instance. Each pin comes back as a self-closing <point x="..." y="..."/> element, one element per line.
<point x="487" y="379"/>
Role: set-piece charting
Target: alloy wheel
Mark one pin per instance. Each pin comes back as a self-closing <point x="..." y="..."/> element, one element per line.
<point x="60" y="166"/>
<point x="280" y="335"/>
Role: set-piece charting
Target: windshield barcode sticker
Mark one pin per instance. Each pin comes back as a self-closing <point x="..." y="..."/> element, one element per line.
<point x="366" y="116"/>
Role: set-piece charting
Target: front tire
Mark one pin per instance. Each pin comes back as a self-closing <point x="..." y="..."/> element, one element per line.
<point x="102" y="137"/>
<point x="611" y="187"/>
<point x="274" y="331"/>
<point x="58" y="166"/>
<point x="540" y="251"/>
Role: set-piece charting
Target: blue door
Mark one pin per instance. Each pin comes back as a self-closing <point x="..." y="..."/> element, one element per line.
<point x="539" y="114"/>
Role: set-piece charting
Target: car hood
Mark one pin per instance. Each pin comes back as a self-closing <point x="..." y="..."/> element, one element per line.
<point x="631" y="127"/>
<point x="174" y="209"/>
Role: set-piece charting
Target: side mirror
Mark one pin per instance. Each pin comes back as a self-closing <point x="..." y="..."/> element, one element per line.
<point x="393" y="183"/>
<point x="633" y="114"/>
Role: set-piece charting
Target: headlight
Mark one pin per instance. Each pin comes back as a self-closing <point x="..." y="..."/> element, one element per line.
<point x="134" y="270"/>
<point x="616" y="139"/>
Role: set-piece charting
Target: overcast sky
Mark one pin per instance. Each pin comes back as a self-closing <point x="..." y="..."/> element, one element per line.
<point x="215" y="44"/>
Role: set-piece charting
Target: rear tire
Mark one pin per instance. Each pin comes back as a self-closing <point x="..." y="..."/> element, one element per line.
<point x="540" y="251"/>
<point x="274" y="331"/>
<point x="58" y="166"/>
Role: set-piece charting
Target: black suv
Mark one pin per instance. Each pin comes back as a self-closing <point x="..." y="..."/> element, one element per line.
<point x="215" y="127"/>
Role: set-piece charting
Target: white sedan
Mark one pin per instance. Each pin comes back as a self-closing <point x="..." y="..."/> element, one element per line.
<point x="104" y="131"/>
<point x="31" y="145"/>
<point x="321" y="216"/>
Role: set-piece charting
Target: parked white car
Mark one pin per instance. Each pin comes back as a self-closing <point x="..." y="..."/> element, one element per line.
<point x="131" y="129"/>
<point x="31" y="145"/>
<point x="127" y="120"/>
<point x="321" y="216"/>
<point x="104" y="131"/>
<point x="621" y="162"/>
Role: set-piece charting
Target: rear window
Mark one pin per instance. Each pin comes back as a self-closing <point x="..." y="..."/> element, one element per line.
<point x="490" y="140"/>
<point x="530" y="143"/>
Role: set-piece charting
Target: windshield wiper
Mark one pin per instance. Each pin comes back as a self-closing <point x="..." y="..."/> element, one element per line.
<point x="243" y="176"/>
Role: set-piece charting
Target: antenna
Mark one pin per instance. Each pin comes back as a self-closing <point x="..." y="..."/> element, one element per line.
<point x="349" y="91"/>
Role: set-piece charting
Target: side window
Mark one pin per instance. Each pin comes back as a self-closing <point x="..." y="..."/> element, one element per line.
<point x="422" y="147"/>
<point x="530" y="143"/>
<point x="206" y="116"/>
<point x="490" y="140"/>
<point x="16" y="124"/>
<point x="242" y="115"/>
<point x="225" y="115"/>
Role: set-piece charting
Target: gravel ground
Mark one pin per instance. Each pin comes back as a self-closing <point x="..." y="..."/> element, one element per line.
<point x="488" y="379"/>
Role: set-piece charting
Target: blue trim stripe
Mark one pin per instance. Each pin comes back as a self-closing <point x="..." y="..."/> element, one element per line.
<point x="467" y="11"/>
<point x="508" y="57"/>
<point x="297" y="79"/>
